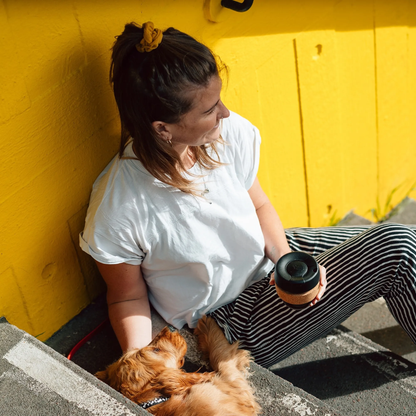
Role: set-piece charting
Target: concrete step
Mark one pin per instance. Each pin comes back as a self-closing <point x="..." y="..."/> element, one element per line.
<point x="353" y="374"/>
<point x="343" y="373"/>
<point x="402" y="213"/>
<point x="35" y="380"/>
<point x="374" y="320"/>
<point x="276" y="395"/>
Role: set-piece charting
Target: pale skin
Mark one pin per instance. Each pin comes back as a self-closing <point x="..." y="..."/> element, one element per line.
<point x="127" y="299"/>
<point x="276" y="244"/>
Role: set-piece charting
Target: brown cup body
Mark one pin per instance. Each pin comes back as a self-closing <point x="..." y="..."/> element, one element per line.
<point x="298" y="298"/>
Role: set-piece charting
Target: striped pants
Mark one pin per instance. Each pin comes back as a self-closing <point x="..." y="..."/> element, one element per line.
<point x="362" y="263"/>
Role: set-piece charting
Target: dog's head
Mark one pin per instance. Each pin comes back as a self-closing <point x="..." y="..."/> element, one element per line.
<point x="138" y="367"/>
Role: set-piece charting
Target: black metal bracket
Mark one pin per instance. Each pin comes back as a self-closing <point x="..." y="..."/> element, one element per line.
<point x="237" y="6"/>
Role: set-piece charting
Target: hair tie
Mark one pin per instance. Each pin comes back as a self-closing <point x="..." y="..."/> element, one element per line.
<point x="151" y="38"/>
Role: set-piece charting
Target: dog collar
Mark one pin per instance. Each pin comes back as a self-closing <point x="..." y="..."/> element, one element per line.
<point x="153" y="402"/>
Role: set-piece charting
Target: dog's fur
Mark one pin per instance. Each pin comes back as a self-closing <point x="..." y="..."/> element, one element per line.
<point x="155" y="371"/>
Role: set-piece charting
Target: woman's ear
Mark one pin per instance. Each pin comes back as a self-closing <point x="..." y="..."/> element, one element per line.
<point x="162" y="130"/>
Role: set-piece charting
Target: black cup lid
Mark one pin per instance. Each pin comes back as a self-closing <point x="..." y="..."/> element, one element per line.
<point x="296" y="272"/>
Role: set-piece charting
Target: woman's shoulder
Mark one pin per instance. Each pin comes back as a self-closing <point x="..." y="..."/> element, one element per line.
<point x="123" y="171"/>
<point x="123" y="180"/>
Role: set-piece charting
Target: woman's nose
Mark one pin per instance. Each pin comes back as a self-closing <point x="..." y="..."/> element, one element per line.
<point x="224" y="111"/>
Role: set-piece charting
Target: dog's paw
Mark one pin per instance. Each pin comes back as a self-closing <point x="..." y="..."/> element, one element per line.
<point x="244" y="359"/>
<point x="102" y="375"/>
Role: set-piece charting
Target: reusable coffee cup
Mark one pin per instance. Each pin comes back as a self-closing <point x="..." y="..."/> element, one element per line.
<point x="297" y="279"/>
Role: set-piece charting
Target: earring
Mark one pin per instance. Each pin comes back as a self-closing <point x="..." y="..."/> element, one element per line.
<point x="169" y="142"/>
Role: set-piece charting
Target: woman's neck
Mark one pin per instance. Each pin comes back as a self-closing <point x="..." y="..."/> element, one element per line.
<point x="186" y="155"/>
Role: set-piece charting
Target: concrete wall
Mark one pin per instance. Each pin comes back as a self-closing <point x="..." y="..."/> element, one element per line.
<point x="330" y="83"/>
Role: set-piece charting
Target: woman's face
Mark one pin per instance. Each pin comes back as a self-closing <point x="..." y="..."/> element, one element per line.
<point x="200" y="125"/>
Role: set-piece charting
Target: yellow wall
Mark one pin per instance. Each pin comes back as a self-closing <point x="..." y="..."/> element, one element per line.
<point x="331" y="84"/>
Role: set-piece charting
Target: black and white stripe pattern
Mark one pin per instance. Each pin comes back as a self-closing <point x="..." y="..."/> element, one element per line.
<point x="362" y="263"/>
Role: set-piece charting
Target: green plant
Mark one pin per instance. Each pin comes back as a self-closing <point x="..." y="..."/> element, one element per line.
<point x="331" y="219"/>
<point x="383" y="213"/>
<point x="334" y="220"/>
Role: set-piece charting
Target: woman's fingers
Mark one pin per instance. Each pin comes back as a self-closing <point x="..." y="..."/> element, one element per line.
<point x="322" y="285"/>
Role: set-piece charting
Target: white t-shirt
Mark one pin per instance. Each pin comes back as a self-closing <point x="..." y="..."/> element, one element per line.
<point x="196" y="254"/>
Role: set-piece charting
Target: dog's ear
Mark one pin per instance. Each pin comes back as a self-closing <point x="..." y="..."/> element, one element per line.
<point x="130" y="372"/>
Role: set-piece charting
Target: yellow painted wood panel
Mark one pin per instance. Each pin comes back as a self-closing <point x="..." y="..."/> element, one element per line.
<point x="47" y="43"/>
<point x="331" y="85"/>
<point x="354" y="47"/>
<point x="318" y="85"/>
<point x="281" y="171"/>
<point x="397" y="146"/>
<point x="14" y="98"/>
<point x="15" y="311"/>
<point x="54" y="126"/>
<point x="43" y="237"/>
<point x="274" y="110"/>
<point x="412" y="86"/>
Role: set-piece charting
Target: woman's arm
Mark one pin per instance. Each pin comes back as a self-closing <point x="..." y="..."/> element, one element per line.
<point x="128" y="304"/>
<point x="276" y="244"/>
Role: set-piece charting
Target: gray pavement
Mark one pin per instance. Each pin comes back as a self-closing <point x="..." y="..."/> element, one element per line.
<point x="37" y="381"/>
<point x="374" y="320"/>
<point x="351" y="373"/>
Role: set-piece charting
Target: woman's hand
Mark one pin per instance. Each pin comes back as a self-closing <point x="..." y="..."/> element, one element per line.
<point x="322" y="284"/>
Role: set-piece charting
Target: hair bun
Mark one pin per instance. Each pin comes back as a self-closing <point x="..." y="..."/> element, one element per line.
<point x="151" y="38"/>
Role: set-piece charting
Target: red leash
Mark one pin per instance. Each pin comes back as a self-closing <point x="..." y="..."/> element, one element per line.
<point x="86" y="338"/>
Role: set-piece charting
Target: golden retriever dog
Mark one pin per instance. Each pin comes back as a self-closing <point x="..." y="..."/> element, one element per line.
<point x="153" y="378"/>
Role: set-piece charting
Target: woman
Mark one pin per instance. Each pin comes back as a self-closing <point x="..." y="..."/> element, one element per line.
<point x="179" y="219"/>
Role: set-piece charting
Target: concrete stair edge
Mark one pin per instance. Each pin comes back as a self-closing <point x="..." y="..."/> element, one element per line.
<point x="50" y="382"/>
<point x="57" y="376"/>
<point x="403" y="213"/>
<point x="276" y="394"/>
<point x="354" y="374"/>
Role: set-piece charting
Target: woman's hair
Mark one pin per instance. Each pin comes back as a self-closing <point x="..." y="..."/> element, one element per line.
<point x="157" y="86"/>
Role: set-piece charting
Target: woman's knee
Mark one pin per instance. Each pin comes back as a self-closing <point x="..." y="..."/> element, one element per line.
<point x="394" y="230"/>
<point x="392" y="234"/>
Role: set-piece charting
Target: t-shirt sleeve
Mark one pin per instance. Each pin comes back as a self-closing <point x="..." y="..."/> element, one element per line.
<point x="244" y="142"/>
<point x="110" y="247"/>
<point x="109" y="236"/>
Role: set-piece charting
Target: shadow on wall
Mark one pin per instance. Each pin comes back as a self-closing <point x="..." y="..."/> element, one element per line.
<point x="268" y="18"/>
<point x="94" y="123"/>
<point x="87" y="138"/>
